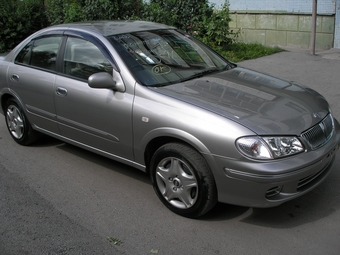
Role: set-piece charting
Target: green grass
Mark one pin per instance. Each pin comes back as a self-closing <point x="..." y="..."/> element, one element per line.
<point x="238" y="52"/>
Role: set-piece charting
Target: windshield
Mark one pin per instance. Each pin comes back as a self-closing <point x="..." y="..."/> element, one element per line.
<point x="163" y="57"/>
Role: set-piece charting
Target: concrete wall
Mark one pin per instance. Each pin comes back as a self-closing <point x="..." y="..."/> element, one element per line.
<point x="285" y="22"/>
<point x="283" y="29"/>
<point x="292" y="6"/>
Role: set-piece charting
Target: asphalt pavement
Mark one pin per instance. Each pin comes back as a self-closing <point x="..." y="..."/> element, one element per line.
<point x="57" y="199"/>
<point x="30" y="225"/>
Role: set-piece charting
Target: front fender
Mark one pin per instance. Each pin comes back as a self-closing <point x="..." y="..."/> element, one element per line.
<point x="167" y="134"/>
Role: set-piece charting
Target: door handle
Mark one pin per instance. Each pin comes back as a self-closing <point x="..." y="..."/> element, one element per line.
<point x="15" y="77"/>
<point x="61" y="91"/>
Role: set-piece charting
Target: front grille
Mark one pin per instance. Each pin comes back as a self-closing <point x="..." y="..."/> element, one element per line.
<point x="320" y="133"/>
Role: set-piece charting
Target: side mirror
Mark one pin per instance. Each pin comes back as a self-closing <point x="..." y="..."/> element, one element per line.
<point x="106" y="81"/>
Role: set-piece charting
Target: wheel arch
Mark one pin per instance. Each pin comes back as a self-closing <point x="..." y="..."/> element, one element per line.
<point x="22" y="133"/>
<point x="4" y="98"/>
<point x="157" y="138"/>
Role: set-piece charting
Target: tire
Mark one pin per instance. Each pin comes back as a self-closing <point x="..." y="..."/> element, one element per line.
<point x="17" y="124"/>
<point x="182" y="180"/>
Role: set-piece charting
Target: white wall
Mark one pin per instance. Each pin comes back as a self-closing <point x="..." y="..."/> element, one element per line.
<point x="304" y="6"/>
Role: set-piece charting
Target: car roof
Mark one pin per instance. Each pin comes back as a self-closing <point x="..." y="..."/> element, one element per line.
<point x="107" y="28"/>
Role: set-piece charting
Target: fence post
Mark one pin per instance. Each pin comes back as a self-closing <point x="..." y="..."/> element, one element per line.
<point x="314" y="19"/>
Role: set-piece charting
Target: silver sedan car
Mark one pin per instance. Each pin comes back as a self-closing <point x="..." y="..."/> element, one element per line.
<point x="157" y="99"/>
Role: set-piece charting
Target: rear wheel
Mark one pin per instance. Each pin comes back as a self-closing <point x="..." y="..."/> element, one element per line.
<point x="17" y="123"/>
<point x="182" y="180"/>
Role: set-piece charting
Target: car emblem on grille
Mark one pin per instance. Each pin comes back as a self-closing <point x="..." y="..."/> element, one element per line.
<point x="316" y="116"/>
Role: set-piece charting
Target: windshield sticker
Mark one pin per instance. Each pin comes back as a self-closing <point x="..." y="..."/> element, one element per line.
<point x="161" y="69"/>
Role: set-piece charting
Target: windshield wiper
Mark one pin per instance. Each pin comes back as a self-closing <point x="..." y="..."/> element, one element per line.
<point x="201" y="74"/>
<point x="194" y="76"/>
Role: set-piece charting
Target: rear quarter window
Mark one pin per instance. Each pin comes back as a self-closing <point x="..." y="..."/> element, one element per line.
<point x="41" y="53"/>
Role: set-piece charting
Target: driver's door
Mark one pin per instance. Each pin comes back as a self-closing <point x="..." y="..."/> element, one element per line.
<point x="97" y="118"/>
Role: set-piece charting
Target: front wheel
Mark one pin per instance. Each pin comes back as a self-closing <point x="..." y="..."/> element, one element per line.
<point x="17" y="123"/>
<point x="182" y="180"/>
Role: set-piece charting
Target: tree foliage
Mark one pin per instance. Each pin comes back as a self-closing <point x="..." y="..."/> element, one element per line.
<point x="20" y="18"/>
<point x="214" y="29"/>
<point x="65" y="11"/>
<point x="179" y="13"/>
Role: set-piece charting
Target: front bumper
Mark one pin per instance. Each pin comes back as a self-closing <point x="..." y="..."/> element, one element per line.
<point x="271" y="183"/>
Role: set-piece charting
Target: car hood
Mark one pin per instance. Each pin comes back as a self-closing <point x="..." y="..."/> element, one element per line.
<point x="262" y="103"/>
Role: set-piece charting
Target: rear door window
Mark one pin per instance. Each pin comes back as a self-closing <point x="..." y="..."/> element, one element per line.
<point x="41" y="53"/>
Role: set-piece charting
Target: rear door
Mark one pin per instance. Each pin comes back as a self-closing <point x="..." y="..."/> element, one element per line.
<point x="32" y="77"/>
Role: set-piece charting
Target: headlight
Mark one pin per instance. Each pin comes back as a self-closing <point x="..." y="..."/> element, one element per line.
<point x="269" y="147"/>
